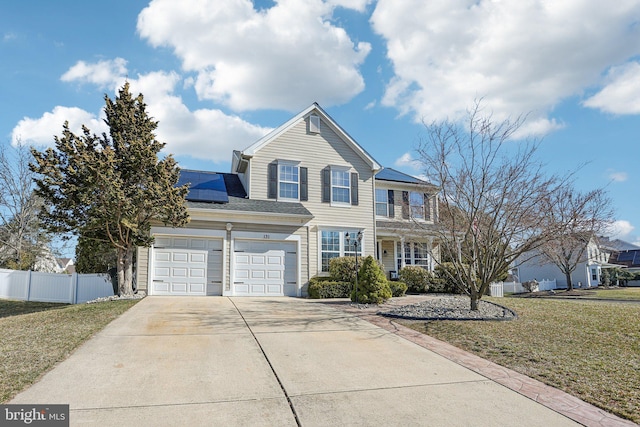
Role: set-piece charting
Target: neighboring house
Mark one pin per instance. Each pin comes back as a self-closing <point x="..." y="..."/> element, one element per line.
<point x="65" y="265"/>
<point x="283" y="213"/>
<point x="624" y="254"/>
<point x="586" y="275"/>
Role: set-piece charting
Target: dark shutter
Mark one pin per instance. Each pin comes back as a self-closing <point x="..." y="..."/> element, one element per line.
<point x="391" y="202"/>
<point x="304" y="194"/>
<point x="354" y="189"/>
<point x="326" y="185"/>
<point x="427" y="206"/>
<point x="405" y="204"/>
<point x="272" y="178"/>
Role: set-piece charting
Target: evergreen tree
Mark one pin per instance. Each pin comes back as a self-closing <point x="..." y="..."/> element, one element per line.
<point x="111" y="185"/>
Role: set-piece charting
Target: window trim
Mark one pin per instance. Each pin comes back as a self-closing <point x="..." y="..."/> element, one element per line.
<point x="280" y="180"/>
<point x="414" y="206"/>
<point x="402" y="258"/>
<point x="343" y="250"/>
<point x="385" y="202"/>
<point x="332" y="185"/>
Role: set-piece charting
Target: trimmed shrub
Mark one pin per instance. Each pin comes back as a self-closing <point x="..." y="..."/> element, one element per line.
<point x="398" y="289"/>
<point x="443" y="282"/>
<point x="417" y="278"/>
<point x="324" y="287"/>
<point x="373" y="287"/>
<point x="343" y="269"/>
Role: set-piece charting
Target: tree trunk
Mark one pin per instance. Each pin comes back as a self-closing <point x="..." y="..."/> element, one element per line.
<point x="125" y="271"/>
<point x="569" y="284"/>
<point x="475" y="297"/>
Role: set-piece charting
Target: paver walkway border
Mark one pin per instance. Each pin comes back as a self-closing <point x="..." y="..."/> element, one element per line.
<point x="551" y="397"/>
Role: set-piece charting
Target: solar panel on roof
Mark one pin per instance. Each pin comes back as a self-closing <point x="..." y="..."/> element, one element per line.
<point x="204" y="186"/>
<point x="626" y="256"/>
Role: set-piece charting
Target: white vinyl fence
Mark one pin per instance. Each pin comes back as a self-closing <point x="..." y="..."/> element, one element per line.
<point x="51" y="287"/>
<point x="498" y="289"/>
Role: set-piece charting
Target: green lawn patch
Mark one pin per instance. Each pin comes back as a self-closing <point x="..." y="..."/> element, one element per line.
<point x="588" y="349"/>
<point x="35" y="336"/>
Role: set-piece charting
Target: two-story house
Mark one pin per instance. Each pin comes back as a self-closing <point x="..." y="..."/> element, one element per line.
<point x="589" y="264"/>
<point x="284" y="211"/>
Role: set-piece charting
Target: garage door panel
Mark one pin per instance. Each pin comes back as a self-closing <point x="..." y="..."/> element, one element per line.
<point x="162" y="256"/>
<point x="241" y="288"/>
<point x="196" y="288"/>
<point x="180" y="257"/>
<point x="197" y="257"/>
<point x="274" y="275"/>
<point x="187" y="266"/>
<point x="162" y="272"/>
<point x="197" y="273"/>
<point x="257" y="259"/>
<point x="160" y="286"/>
<point x="258" y="289"/>
<point x="264" y="268"/>
<point x="179" y="287"/>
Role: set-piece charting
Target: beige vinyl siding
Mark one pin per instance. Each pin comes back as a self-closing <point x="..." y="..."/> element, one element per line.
<point x="316" y="152"/>
<point x="388" y="259"/>
<point x="142" y="268"/>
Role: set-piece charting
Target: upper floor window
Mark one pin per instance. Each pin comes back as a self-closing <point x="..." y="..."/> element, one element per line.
<point x="288" y="181"/>
<point x="382" y="202"/>
<point x="416" y="205"/>
<point x="340" y="186"/>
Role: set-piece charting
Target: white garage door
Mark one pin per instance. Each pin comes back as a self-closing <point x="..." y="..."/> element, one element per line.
<point x="187" y="266"/>
<point x="265" y="268"/>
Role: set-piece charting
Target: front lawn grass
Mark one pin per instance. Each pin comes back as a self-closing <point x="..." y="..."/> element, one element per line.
<point x="629" y="294"/>
<point x="35" y="336"/>
<point x="588" y="349"/>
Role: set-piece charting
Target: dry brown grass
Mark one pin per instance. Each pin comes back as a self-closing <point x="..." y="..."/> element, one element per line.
<point x="35" y="336"/>
<point x="586" y="348"/>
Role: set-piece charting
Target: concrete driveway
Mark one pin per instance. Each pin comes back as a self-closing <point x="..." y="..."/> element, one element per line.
<point x="181" y="361"/>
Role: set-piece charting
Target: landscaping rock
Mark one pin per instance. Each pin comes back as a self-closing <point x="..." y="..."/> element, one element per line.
<point x="450" y="307"/>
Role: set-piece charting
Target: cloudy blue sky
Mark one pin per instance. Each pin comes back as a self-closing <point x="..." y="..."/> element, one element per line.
<point x="219" y="74"/>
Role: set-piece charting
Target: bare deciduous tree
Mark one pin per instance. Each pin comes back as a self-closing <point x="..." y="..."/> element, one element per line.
<point x="584" y="216"/>
<point x="21" y="236"/>
<point x="490" y="197"/>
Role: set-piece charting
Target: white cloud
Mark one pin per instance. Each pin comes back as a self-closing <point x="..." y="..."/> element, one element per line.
<point x="621" y="229"/>
<point x="406" y="160"/>
<point x="40" y="132"/>
<point x="107" y="73"/>
<point x="208" y="134"/>
<point x="519" y="56"/>
<point x="618" y="176"/>
<point x="621" y="95"/>
<point x="283" y="57"/>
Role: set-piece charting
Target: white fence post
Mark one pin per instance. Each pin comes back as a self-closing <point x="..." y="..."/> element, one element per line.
<point x="74" y="281"/>
<point x="29" y="285"/>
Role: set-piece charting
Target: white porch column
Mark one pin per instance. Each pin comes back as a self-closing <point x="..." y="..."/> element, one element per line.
<point x="431" y="263"/>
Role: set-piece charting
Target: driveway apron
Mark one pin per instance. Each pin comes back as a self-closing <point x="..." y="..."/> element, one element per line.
<point x="198" y="361"/>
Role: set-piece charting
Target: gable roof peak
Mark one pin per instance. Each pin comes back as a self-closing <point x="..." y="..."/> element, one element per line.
<point x="315" y="107"/>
